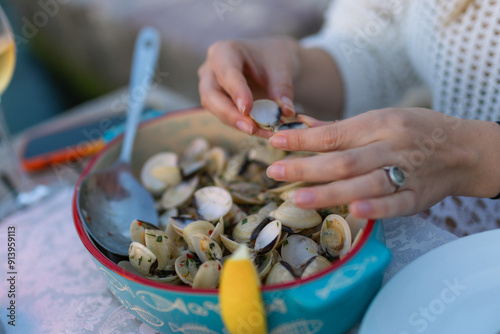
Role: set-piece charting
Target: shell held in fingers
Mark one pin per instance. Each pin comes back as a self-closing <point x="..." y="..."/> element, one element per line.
<point x="266" y="113"/>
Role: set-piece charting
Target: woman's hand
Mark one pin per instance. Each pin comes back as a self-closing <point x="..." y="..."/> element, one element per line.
<point x="441" y="155"/>
<point x="236" y="73"/>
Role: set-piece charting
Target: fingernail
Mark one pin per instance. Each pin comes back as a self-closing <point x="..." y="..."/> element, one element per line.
<point x="278" y="141"/>
<point x="245" y="127"/>
<point x="276" y="172"/>
<point x="304" y="197"/>
<point x="240" y="105"/>
<point x="363" y="209"/>
<point x="288" y="104"/>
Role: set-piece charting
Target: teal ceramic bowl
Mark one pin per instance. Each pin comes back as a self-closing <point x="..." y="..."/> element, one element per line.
<point x="330" y="302"/>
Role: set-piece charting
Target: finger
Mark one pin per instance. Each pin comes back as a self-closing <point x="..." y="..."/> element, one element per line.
<point x="374" y="184"/>
<point x="215" y="100"/>
<point x="227" y="63"/>
<point x="311" y="121"/>
<point x="402" y="203"/>
<point x="280" y="87"/>
<point x="333" y="165"/>
<point x="349" y="133"/>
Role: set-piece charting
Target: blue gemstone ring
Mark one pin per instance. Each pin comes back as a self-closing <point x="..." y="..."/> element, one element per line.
<point x="396" y="175"/>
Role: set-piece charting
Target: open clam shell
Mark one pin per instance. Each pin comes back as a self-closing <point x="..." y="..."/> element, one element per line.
<point x="244" y="230"/>
<point x="157" y="242"/>
<point x="268" y="237"/>
<point x="206" y="248"/>
<point x="296" y="218"/>
<point x="137" y="229"/>
<point x="208" y="275"/>
<point x="296" y="250"/>
<point x="229" y="243"/>
<point x="335" y="238"/>
<point x="150" y="182"/>
<point x="141" y="258"/>
<point x="281" y="272"/>
<point x="266" y="113"/>
<point x="314" y="266"/>
<point x="186" y="267"/>
<point x="291" y="126"/>
<point x="199" y="226"/>
<point x="176" y="196"/>
<point x="212" y="203"/>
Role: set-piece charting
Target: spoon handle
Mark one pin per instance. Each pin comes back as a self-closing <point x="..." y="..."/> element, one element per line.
<point x="147" y="47"/>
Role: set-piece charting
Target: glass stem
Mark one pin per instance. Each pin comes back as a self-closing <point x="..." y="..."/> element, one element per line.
<point x="25" y="184"/>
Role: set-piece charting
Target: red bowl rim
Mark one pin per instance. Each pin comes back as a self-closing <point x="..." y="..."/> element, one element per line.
<point x="105" y="261"/>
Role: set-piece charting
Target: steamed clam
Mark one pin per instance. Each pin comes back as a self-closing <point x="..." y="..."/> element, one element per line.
<point x="211" y="201"/>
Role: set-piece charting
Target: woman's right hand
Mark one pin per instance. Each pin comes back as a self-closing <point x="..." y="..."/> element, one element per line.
<point x="237" y="72"/>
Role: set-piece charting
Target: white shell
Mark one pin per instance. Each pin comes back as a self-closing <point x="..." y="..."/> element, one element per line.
<point x="212" y="203"/>
<point x="151" y="183"/>
<point x="335" y="238"/>
<point x="280" y="274"/>
<point x="186" y="268"/>
<point x="268" y="237"/>
<point x="355" y="224"/>
<point x="266" y="113"/>
<point x="137" y="228"/>
<point x="199" y="226"/>
<point x="157" y="242"/>
<point x="141" y="258"/>
<point x="206" y="248"/>
<point x="230" y="244"/>
<point x="296" y="250"/>
<point x="208" y="275"/>
<point x="296" y="218"/>
<point x="179" y="194"/>
<point x="169" y="175"/>
<point x="314" y="266"/>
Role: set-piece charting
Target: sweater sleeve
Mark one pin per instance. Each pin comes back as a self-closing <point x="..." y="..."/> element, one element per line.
<point x="366" y="40"/>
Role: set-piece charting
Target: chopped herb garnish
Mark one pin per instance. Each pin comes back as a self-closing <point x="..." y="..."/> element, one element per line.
<point x="149" y="260"/>
<point x="244" y="221"/>
<point x="211" y="245"/>
<point x="285" y="243"/>
<point x="159" y="238"/>
<point x="150" y="234"/>
<point x="140" y="260"/>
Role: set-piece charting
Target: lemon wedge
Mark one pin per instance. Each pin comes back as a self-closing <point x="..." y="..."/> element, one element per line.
<point x="240" y="298"/>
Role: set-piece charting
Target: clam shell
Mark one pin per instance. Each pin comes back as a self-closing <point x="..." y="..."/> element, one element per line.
<point x="228" y="243"/>
<point x="196" y="150"/>
<point x="246" y="193"/>
<point x="206" y="248"/>
<point x="150" y="182"/>
<point x="242" y="232"/>
<point x="264" y="265"/>
<point x="196" y="227"/>
<point x="169" y="175"/>
<point x="137" y="228"/>
<point x="335" y="238"/>
<point x="212" y="203"/>
<point x="281" y="272"/>
<point x="176" y="196"/>
<point x="295" y="218"/>
<point x="141" y="258"/>
<point x="216" y="159"/>
<point x="268" y="237"/>
<point x="186" y="267"/>
<point x="157" y="242"/>
<point x="355" y="224"/>
<point x="314" y="266"/>
<point x="297" y="250"/>
<point x="208" y="275"/>
<point x="291" y="126"/>
<point x="266" y="113"/>
<point x="265" y="154"/>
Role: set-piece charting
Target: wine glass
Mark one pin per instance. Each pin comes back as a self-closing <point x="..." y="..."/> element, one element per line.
<point x="24" y="192"/>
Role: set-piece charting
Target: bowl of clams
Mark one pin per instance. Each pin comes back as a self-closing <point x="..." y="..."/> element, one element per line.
<point x="319" y="269"/>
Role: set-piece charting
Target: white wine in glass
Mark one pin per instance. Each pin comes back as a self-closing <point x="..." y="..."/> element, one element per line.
<point x="24" y="193"/>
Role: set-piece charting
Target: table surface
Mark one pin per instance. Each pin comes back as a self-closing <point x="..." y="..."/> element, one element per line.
<point x="59" y="289"/>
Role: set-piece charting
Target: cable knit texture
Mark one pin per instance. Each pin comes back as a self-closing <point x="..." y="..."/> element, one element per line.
<point x="384" y="47"/>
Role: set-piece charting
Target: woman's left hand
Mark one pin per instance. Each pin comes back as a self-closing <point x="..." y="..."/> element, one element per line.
<point x="436" y="152"/>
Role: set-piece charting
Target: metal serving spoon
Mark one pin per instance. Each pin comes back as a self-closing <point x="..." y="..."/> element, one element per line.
<point x="110" y="199"/>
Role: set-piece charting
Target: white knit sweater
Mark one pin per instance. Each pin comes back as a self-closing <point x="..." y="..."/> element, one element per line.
<point x="384" y="47"/>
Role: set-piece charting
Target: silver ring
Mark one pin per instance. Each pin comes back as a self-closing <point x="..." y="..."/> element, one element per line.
<point x="396" y="175"/>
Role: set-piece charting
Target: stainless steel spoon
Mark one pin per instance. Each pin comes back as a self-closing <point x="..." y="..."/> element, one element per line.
<point x="110" y="199"/>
